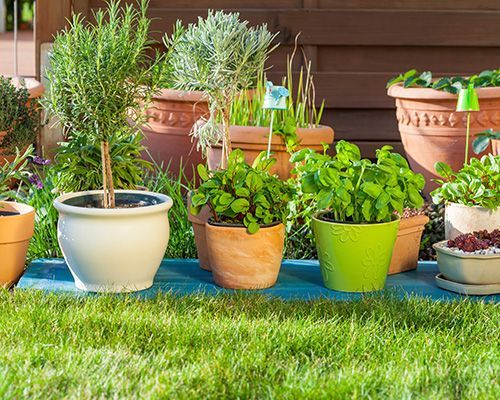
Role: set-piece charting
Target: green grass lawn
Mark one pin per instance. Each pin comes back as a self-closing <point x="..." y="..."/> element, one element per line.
<point x="246" y="346"/>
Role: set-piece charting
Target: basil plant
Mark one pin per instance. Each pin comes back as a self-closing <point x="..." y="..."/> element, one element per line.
<point x="243" y="194"/>
<point x="358" y="190"/>
<point x="476" y="184"/>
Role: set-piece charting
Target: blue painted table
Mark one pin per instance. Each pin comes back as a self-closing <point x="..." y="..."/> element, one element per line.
<point x="298" y="279"/>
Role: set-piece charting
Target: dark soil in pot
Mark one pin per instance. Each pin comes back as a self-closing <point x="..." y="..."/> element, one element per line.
<point x="8" y="213"/>
<point x="123" y="200"/>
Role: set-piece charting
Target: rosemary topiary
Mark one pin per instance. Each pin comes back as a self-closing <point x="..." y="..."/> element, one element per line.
<point x="19" y="118"/>
<point x="219" y="55"/>
<point x="102" y="79"/>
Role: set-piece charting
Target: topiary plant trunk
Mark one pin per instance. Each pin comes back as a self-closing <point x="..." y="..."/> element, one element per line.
<point x="226" y="139"/>
<point x="107" y="177"/>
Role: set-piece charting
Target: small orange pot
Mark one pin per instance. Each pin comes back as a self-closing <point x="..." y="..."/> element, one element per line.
<point x="253" y="139"/>
<point x="200" y="238"/>
<point x="405" y="253"/>
<point x="15" y="234"/>
<point x="240" y="260"/>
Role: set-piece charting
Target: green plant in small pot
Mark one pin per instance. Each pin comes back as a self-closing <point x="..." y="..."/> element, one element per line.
<point x="245" y="235"/>
<point x="112" y="240"/>
<point x="356" y="230"/>
<point x="471" y="196"/>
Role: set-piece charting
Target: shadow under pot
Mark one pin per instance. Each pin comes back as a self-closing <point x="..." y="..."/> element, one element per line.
<point x="17" y="224"/>
<point x="354" y="257"/>
<point x="113" y="249"/>
<point x="241" y="260"/>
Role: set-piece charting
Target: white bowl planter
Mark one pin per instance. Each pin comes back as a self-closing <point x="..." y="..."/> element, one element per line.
<point x="113" y="250"/>
<point x="460" y="219"/>
<point x="471" y="269"/>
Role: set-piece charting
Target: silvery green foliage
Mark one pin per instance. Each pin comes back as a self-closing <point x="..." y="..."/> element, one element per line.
<point x="221" y="56"/>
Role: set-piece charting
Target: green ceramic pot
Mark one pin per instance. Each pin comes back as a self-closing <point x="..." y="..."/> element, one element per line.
<point x="354" y="257"/>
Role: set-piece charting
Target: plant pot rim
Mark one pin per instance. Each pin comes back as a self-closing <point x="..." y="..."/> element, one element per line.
<point x="35" y="88"/>
<point x="240" y="226"/>
<point x="165" y="204"/>
<point x="441" y="247"/>
<point x="451" y="203"/>
<point x="416" y="93"/>
<point x="194" y="96"/>
<point x="415" y="220"/>
<point x="21" y="208"/>
<point x="316" y="216"/>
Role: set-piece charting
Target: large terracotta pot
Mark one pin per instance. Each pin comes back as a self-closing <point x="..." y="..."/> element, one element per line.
<point x="460" y="219"/>
<point x="405" y="253"/>
<point x="35" y="90"/>
<point x="200" y="238"/>
<point x="240" y="260"/>
<point x="431" y="130"/>
<point x="253" y="139"/>
<point x="172" y="114"/>
<point x="17" y="223"/>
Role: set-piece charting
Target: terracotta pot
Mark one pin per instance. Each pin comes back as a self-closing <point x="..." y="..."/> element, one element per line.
<point x="199" y="221"/>
<point x="253" y="139"/>
<point x="15" y="234"/>
<point x="405" y="253"/>
<point x="172" y="114"/>
<point x="495" y="147"/>
<point x="240" y="260"/>
<point x="460" y="219"/>
<point x="35" y="90"/>
<point x="431" y="130"/>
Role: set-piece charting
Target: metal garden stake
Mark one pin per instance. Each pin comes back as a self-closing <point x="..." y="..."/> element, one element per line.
<point x="275" y="99"/>
<point x="467" y="101"/>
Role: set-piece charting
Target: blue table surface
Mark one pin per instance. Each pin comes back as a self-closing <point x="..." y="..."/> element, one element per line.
<point x="298" y="279"/>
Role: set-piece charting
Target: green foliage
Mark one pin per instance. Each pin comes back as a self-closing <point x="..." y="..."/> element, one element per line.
<point x="356" y="189"/>
<point x="17" y="170"/>
<point x="476" y="184"/>
<point x="220" y="55"/>
<point x="453" y="84"/>
<point x="181" y="243"/>
<point x="99" y="71"/>
<point x="79" y="163"/>
<point x="301" y="112"/>
<point x="243" y="194"/>
<point x="483" y="140"/>
<point x="19" y="118"/>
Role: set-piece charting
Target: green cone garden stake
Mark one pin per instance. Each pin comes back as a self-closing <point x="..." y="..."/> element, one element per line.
<point x="467" y="101"/>
<point x="275" y="99"/>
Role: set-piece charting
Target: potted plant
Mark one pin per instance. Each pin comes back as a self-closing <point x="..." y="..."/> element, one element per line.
<point x="431" y="129"/>
<point x="471" y="195"/>
<point x="171" y="116"/>
<point x="111" y="240"/>
<point x="220" y="56"/>
<point x="470" y="263"/>
<point x="296" y="127"/>
<point x="356" y="230"/>
<point x="17" y="221"/>
<point x="19" y="118"/>
<point x="245" y="235"/>
<point x="484" y="139"/>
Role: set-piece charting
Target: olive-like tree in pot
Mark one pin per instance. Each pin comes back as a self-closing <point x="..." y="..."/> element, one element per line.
<point x="221" y="56"/>
<point x="98" y="72"/>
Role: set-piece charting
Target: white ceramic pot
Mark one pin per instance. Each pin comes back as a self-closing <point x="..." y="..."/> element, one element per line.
<point x="471" y="269"/>
<point x="113" y="250"/>
<point x="459" y="219"/>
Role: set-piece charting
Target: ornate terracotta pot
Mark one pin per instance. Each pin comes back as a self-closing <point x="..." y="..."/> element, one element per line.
<point x="172" y="114"/>
<point x="253" y="139"/>
<point x="431" y="130"/>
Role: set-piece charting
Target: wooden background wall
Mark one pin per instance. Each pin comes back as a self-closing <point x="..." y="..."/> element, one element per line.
<point x="355" y="46"/>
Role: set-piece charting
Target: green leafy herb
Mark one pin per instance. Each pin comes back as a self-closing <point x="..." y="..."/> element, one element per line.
<point x="243" y="194"/>
<point x="476" y="184"/>
<point x="413" y="78"/>
<point x="356" y="189"/>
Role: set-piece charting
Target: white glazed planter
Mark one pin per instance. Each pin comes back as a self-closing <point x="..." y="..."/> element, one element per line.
<point x="460" y="219"/>
<point x="113" y="250"/>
